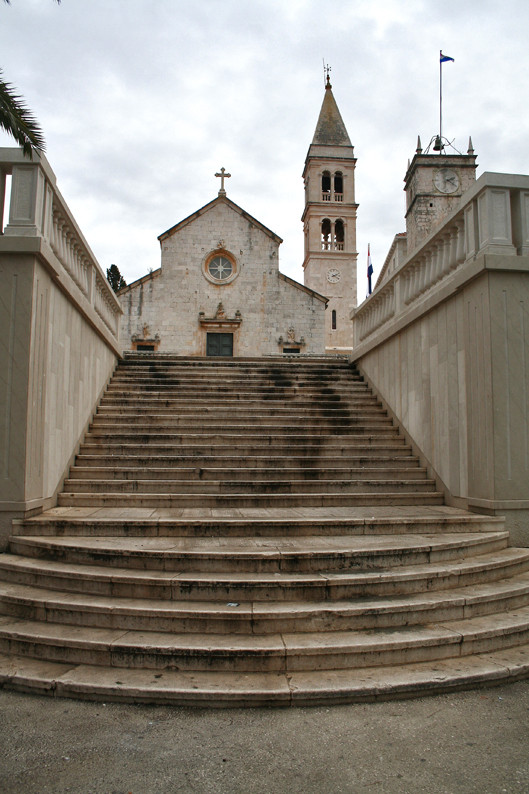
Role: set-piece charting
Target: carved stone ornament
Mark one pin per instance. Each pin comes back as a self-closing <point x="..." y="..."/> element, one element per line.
<point x="291" y="339"/>
<point x="220" y="319"/>
<point x="221" y="314"/>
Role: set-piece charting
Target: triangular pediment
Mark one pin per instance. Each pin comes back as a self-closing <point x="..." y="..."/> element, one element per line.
<point x="219" y="200"/>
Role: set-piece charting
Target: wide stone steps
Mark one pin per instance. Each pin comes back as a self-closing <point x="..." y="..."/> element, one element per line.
<point x="263" y="555"/>
<point x="272" y="417"/>
<point x="243" y="532"/>
<point x="242" y="586"/>
<point x="311" y="449"/>
<point x="238" y="500"/>
<point x="285" y="652"/>
<point x="145" y="523"/>
<point x="200" y="474"/>
<point x="208" y="466"/>
<point x="259" y="617"/>
<point x="331" y="404"/>
<point x="239" y="486"/>
<point x="268" y="433"/>
<point x="221" y="689"/>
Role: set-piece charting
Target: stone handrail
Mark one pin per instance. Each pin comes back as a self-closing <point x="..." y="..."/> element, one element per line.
<point x="493" y="218"/>
<point x="38" y="212"/>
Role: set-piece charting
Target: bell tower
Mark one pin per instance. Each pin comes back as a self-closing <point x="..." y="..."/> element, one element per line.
<point x="434" y="184"/>
<point x="329" y="222"/>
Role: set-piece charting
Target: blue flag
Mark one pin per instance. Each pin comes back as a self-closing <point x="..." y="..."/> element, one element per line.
<point x="444" y="58"/>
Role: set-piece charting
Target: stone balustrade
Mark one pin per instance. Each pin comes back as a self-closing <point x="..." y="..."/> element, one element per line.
<point x="493" y="219"/>
<point x="37" y="210"/>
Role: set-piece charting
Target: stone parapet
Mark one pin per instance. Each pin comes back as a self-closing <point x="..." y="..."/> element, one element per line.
<point x="59" y="322"/>
<point x="444" y="341"/>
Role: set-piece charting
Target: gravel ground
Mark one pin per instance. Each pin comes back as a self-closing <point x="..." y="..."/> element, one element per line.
<point x="466" y="742"/>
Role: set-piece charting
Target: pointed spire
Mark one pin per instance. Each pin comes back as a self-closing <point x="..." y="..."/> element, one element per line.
<point x="330" y="129"/>
<point x="470" y="147"/>
<point x="419" y="145"/>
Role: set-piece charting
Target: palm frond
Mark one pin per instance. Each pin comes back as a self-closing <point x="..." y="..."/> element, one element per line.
<point x="18" y="121"/>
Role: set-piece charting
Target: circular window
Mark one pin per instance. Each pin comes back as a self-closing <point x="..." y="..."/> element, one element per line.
<point x="220" y="268"/>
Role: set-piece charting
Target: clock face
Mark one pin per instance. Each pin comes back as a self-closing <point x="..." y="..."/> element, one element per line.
<point x="446" y="180"/>
<point x="333" y="275"/>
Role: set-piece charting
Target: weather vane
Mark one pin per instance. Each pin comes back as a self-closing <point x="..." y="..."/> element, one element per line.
<point x="326" y="73"/>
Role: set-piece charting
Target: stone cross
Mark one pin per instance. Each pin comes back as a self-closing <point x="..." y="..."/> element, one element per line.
<point x="223" y="175"/>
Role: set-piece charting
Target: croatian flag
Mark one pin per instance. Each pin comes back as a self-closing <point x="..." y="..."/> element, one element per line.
<point x="443" y="58"/>
<point x="369" y="270"/>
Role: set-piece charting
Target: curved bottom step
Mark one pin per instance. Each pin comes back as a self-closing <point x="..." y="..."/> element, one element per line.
<point x="229" y="690"/>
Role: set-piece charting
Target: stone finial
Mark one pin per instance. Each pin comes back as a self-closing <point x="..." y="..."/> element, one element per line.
<point x="419" y="145"/>
<point x="470" y="147"/>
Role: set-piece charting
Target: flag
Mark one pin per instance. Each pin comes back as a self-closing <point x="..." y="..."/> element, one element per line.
<point x="369" y="270"/>
<point x="443" y="58"/>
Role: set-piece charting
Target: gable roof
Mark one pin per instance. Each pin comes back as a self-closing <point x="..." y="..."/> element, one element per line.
<point x="219" y="200"/>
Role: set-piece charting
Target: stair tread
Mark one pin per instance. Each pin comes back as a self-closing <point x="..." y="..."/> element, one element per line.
<point x="453" y="632"/>
<point x="15" y="562"/>
<point x="299" y="545"/>
<point x="232" y="689"/>
<point x="252" y="609"/>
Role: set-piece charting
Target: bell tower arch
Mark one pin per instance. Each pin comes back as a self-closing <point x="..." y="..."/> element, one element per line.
<point x="329" y="221"/>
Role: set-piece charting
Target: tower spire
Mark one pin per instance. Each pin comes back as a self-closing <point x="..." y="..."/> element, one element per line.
<point x="330" y="129"/>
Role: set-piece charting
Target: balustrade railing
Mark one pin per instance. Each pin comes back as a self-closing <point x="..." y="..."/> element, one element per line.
<point x="493" y="218"/>
<point x="37" y="209"/>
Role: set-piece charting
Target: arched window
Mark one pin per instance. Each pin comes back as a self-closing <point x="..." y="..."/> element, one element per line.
<point x="338" y="186"/>
<point x="333" y="320"/>
<point x="326" y="186"/>
<point x="325" y="234"/>
<point x="338" y="235"/>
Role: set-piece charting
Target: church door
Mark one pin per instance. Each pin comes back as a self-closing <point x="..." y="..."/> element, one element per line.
<point x="219" y="345"/>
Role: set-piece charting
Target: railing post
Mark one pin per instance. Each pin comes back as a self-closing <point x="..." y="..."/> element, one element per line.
<point x="28" y="194"/>
<point x="494" y="221"/>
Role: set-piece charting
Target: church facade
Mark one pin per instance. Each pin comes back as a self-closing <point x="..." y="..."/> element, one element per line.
<point x="219" y="290"/>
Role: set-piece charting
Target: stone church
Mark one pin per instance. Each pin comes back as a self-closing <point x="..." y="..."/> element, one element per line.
<point x="219" y="290"/>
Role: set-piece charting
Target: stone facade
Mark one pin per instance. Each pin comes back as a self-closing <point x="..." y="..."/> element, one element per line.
<point x="177" y="308"/>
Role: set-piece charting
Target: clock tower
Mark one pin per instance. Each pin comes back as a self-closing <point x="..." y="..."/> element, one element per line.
<point x="329" y="222"/>
<point x="434" y="184"/>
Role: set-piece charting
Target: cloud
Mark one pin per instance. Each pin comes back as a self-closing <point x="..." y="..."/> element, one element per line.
<point x="141" y="103"/>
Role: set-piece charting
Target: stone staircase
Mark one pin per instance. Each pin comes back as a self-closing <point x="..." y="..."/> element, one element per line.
<point x="249" y="532"/>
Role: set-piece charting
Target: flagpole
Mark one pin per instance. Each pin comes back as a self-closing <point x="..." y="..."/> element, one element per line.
<point x="440" y="98"/>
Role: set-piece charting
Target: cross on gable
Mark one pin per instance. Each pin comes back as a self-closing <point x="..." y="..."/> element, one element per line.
<point x="223" y="175"/>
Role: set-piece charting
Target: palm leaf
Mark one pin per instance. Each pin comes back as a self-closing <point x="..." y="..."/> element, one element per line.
<point x="17" y="120"/>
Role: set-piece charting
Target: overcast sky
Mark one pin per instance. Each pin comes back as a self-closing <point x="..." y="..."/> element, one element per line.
<point x="142" y="101"/>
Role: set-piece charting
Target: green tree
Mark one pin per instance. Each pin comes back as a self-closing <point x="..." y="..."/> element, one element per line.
<point x="17" y="119"/>
<point x="115" y="279"/>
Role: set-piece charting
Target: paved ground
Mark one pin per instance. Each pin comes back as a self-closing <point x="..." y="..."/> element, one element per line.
<point x="466" y="742"/>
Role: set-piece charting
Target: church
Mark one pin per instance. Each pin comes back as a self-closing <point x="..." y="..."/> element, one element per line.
<point x="219" y="290"/>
